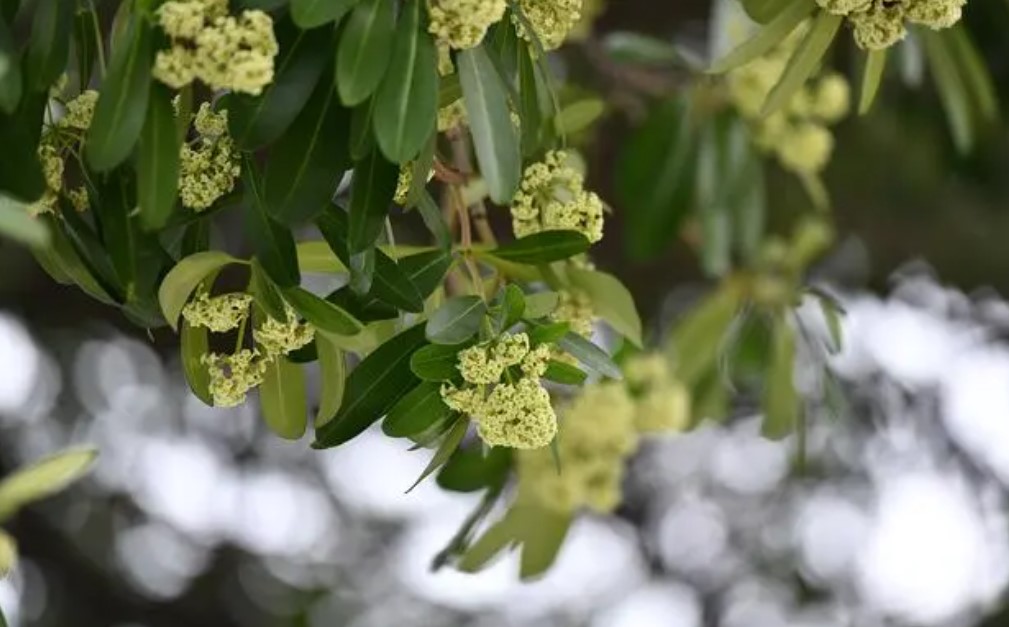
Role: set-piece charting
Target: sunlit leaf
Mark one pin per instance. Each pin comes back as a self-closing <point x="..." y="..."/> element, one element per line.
<point x="43" y="478"/>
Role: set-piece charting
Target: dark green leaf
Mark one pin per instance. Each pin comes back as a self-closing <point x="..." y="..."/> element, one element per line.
<point x="589" y="355"/>
<point x="421" y="171"/>
<point x="437" y="362"/>
<point x="20" y="171"/>
<point x="362" y="137"/>
<point x="282" y="398"/>
<point x="561" y="372"/>
<point x="977" y="79"/>
<point x="119" y="236"/>
<point x="513" y="306"/>
<point x="307" y="162"/>
<point x="494" y="137"/>
<point x="49" y="44"/>
<point x="416" y="412"/>
<point x="781" y="401"/>
<point x="312" y="13"/>
<point x="373" y="388"/>
<point x="332" y="375"/>
<point x="255" y="121"/>
<point x="426" y="270"/>
<point x="374" y="185"/>
<point x="362" y="271"/>
<point x="406" y="104"/>
<point x="805" y="60"/>
<point x="364" y="51"/>
<point x="548" y="333"/>
<point x="535" y="104"/>
<point x="540" y="304"/>
<point x="393" y="286"/>
<point x="767" y="38"/>
<point x="448" y="446"/>
<point x="471" y="470"/>
<point x="122" y="103"/>
<point x="10" y="71"/>
<point x="158" y="162"/>
<point x="265" y="293"/>
<point x="457" y="320"/>
<point x="274" y="244"/>
<point x="62" y="252"/>
<point x="543" y="534"/>
<point x="434" y="220"/>
<point x="611" y="301"/>
<point x="194" y="345"/>
<point x="872" y="76"/>
<point x="321" y="313"/>
<point x="544" y="247"/>
<point x="85" y="46"/>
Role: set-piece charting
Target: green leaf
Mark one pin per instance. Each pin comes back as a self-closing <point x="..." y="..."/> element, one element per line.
<point x="321" y="313"/>
<point x="20" y="171"/>
<point x="16" y="224"/>
<point x="406" y="104"/>
<point x="498" y="537"/>
<point x="158" y="161"/>
<point x="255" y="121"/>
<point x="696" y="341"/>
<point x="763" y="11"/>
<point x="373" y="388"/>
<point x="312" y="13"/>
<point x="781" y="401"/>
<point x="472" y="469"/>
<point x="806" y="59"/>
<point x="10" y="71"/>
<point x="265" y="293"/>
<point x="85" y="46"/>
<point x="333" y="377"/>
<point x="282" y="398"/>
<point x="560" y="372"/>
<point x="421" y="171"/>
<point x="183" y="279"/>
<point x="362" y="137"/>
<point x="655" y="178"/>
<point x="544" y="247"/>
<point x="872" y="76"/>
<point x="62" y="252"/>
<point x="44" y="478"/>
<point x="457" y="320"/>
<point x="973" y="70"/>
<point x="274" y="244"/>
<point x="448" y="446"/>
<point x="589" y="355"/>
<point x="434" y="220"/>
<point x="543" y="535"/>
<point x="362" y="271"/>
<point x="416" y="412"/>
<point x="631" y="47"/>
<point x="426" y="270"/>
<point x="374" y="185"/>
<point x="437" y="362"/>
<point x="548" y="333"/>
<point x="365" y="50"/>
<point x="494" y="137"/>
<point x="611" y="301"/>
<point x="122" y="102"/>
<point x="534" y="103"/>
<point x="393" y="286"/>
<point x="540" y="304"/>
<point x="512" y="307"/>
<point x="49" y="44"/>
<point x="193" y="345"/>
<point x="767" y="37"/>
<point x="580" y="115"/>
<point x="307" y="162"/>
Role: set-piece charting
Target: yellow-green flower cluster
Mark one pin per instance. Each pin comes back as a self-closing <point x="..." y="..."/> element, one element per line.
<point x="217" y="313"/>
<point x="79" y="111"/>
<point x="597" y="434"/>
<point x="221" y="50"/>
<point x="209" y="166"/>
<point x="516" y="412"/>
<point x="796" y="134"/>
<point x="232" y="376"/>
<point x="575" y="307"/>
<point x="662" y="403"/>
<point x="553" y="197"/>
<point x="462" y="24"/>
<point x="52" y="172"/>
<point x="452" y="116"/>
<point x="278" y="337"/>
<point x="879" y="24"/>
<point x="404" y="183"/>
<point x="551" y="20"/>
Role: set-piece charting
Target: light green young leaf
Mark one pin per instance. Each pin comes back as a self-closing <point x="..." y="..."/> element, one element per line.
<point x="872" y="76"/>
<point x="282" y="398"/>
<point x="178" y="286"/>
<point x="43" y="478"/>
<point x="611" y="301"/>
<point x="543" y="535"/>
<point x="193" y="345"/>
<point x="16" y="224"/>
<point x="805" y="60"/>
<point x="781" y="401"/>
<point x="333" y="374"/>
<point x="767" y="38"/>
<point x="696" y="341"/>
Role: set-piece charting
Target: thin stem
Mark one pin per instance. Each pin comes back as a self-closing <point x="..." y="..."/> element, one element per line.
<point x="478" y="211"/>
<point x="241" y="334"/>
<point x="459" y="541"/>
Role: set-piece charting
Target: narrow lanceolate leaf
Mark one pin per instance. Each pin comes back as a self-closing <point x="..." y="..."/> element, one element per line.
<point x="763" y="11"/>
<point x="560" y="372"/>
<point x="448" y="446"/>
<point x="255" y="121"/>
<point x="972" y="68"/>
<point x="416" y="412"/>
<point x="373" y="388"/>
<point x="545" y="247"/>
<point x="696" y="342"/>
<point x="312" y="13"/>
<point x="10" y="71"/>
<point x="273" y="243"/>
<point x="282" y="398"/>
<point x="158" y="162"/>
<point x="781" y="401"/>
<point x="20" y="170"/>
<point x="374" y="186"/>
<point x="457" y="320"/>
<point x="872" y="76"/>
<point x="332" y="375"/>
<point x="497" y="538"/>
<point x="805" y="60"/>
<point x="122" y="103"/>
<point x="307" y="162"/>
<point x="85" y="46"/>
<point x="364" y="51"/>
<point x="362" y="137"/>
<point x="49" y="44"/>
<point x="406" y="104"/>
<point x="322" y="313"/>
<point x="426" y="270"/>
<point x="437" y="362"/>
<point x="611" y="301"/>
<point x="180" y="283"/>
<point x="44" y="478"/>
<point x="434" y="220"/>
<point x="544" y="531"/>
<point x="392" y="286"/>
<point x="589" y="355"/>
<point x="16" y="224"/>
<point x="193" y="345"/>
<point x="767" y="38"/>
<point x="265" y="293"/>
<point x="494" y="136"/>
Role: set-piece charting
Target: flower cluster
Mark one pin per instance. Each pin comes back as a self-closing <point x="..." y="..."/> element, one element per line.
<point x="515" y="412"/>
<point x="79" y="111"/>
<point x="551" y="20"/>
<point x="210" y="164"/>
<point x="796" y="134"/>
<point x="462" y="24"/>
<point x="223" y="51"/>
<point x="76" y="117"/>
<point x="553" y="197"/>
<point x="232" y="376"/>
<point x="452" y="116"/>
<point x="879" y="24"/>
<point x="662" y="403"/>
